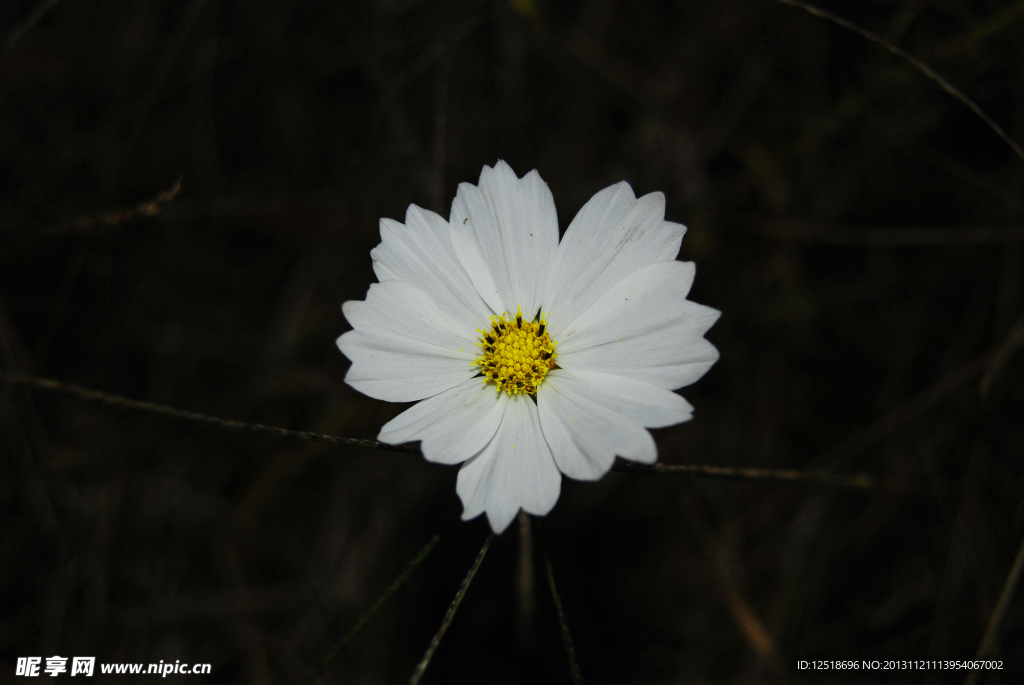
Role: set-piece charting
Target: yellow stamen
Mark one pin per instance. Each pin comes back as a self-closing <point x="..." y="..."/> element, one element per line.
<point x="517" y="353"/>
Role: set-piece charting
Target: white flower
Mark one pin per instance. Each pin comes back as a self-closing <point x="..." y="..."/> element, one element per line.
<point x="529" y="357"/>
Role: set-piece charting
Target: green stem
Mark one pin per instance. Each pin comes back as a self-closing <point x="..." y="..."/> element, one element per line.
<point x="574" y="668"/>
<point x="394" y="587"/>
<point x="425" y="661"/>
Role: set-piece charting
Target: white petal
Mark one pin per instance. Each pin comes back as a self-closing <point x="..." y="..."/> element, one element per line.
<point x="453" y="426"/>
<point x="589" y="417"/>
<point x="505" y="232"/>
<point x="382" y="272"/>
<point x="514" y="471"/>
<point x="404" y="347"/>
<point x="643" y="328"/>
<point x="420" y="253"/>
<point x="612" y="236"/>
<point x="569" y="458"/>
<point x="409" y="320"/>
<point x="396" y="376"/>
<point x="646" y="404"/>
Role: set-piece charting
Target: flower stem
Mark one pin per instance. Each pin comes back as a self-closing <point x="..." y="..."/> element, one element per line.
<point x="425" y="661"/>
<point x="524" y="582"/>
<point x="394" y="587"/>
<point x="570" y="651"/>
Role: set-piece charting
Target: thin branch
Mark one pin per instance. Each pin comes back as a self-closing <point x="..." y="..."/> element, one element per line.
<point x="743" y="613"/>
<point x="859" y="481"/>
<point x="843" y="453"/>
<point x="118" y="401"/>
<point x="1014" y="340"/>
<point x="381" y="601"/>
<point x="425" y="661"/>
<point x="863" y="440"/>
<point x="14" y="36"/>
<point x="874" y="236"/>
<point x="570" y="651"/>
<point x="988" y="642"/>
<point x="982" y="30"/>
<point x="427" y="57"/>
<point x="917" y="64"/>
<point x="119" y="216"/>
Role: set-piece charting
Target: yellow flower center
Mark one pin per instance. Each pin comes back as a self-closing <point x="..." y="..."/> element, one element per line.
<point x="517" y="353"/>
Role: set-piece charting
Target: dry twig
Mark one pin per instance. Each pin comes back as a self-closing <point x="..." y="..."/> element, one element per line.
<point x="917" y="64"/>
<point x="995" y="621"/>
<point x="425" y="661"/>
<point x="570" y="651"/>
<point x="381" y="601"/>
<point x="119" y="216"/>
<point x="858" y="481"/>
<point x="791" y="230"/>
<point x="118" y="401"/>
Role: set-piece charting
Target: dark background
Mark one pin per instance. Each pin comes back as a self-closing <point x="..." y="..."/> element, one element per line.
<point x="777" y="137"/>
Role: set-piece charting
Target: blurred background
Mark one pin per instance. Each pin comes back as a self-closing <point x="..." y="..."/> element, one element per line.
<point x="859" y="228"/>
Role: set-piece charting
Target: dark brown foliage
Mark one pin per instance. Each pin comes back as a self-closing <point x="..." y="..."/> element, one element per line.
<point x="295" y="126"/>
